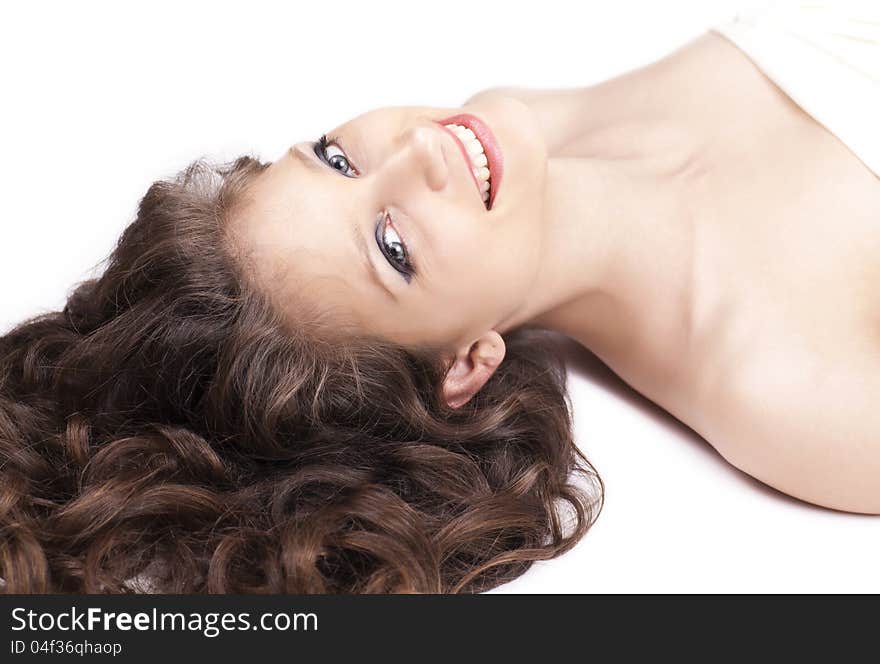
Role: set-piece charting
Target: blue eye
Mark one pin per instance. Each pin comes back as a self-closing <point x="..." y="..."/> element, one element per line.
<point x="392" y="247"/>
<point x="328" y="150"/>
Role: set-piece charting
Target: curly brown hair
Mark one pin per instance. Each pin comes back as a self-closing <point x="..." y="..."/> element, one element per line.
<point x="168" y="431"/>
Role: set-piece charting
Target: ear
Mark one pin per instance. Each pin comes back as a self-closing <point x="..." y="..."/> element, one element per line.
<point x="471" y="368"/>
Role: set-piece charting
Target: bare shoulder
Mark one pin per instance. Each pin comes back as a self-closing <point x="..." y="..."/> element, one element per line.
<point x="805" y="424"/>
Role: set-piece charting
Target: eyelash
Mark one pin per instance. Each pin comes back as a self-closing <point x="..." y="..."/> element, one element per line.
<point x="408" y="269"/>
<point x="321" y="150"/>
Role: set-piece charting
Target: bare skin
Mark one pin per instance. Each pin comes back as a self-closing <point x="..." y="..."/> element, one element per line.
<point x="686" y="222"/>
<point x="769" y="344"/>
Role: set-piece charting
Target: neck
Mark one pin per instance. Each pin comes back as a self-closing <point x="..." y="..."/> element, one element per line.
<point x="617" y="256"/>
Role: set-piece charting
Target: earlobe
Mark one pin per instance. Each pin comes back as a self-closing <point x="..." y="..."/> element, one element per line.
<point x="472" y="367"/>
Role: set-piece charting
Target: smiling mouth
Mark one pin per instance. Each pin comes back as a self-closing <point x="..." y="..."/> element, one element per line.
<point x="481" y="151"/>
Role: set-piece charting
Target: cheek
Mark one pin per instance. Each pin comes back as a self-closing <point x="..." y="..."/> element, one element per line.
<point x="475" y="253"/>
<point x="476" y="261"/>
<point x="461" y="254"/>
<point x="481" y="276"/>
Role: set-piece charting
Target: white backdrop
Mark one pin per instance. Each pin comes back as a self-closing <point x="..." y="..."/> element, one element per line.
<point x="100" y="99"/>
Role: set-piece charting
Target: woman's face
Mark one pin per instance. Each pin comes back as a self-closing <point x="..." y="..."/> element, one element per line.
<point x="386" y="228"/>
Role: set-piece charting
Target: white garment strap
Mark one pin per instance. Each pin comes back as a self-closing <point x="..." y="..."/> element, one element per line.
<point x="826" y="57"/>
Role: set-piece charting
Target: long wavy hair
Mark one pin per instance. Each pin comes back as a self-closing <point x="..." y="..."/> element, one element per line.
<point x="170" y="431"/>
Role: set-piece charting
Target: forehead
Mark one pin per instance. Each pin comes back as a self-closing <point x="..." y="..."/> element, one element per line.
<point x="293" y="233"/>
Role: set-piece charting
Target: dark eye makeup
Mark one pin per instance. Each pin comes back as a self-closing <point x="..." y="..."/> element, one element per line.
<point x="395" y="251"/>
<point x="338" y="161"/>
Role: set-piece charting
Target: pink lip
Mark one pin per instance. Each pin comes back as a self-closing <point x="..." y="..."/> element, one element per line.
<point x="490" y="147"/>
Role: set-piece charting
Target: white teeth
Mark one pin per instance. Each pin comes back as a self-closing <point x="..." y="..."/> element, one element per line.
<point x="479" y="162"/>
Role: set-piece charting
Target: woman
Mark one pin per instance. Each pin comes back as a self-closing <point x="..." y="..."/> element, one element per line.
<point x="336" y="372"/>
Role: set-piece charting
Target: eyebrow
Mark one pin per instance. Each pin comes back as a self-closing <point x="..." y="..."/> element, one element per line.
<point x="368" y="266"/>
<point x="306" y="159"/>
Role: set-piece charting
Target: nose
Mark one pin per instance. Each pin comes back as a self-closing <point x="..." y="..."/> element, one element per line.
<point x="420" y="158"/>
